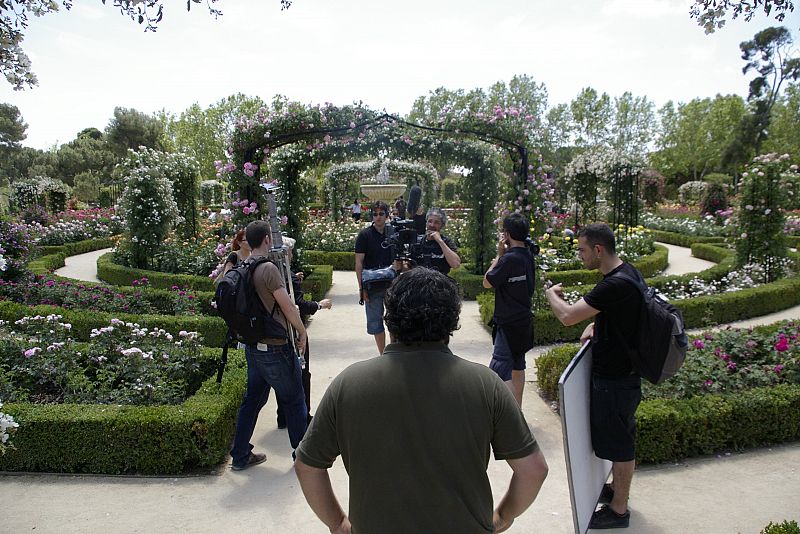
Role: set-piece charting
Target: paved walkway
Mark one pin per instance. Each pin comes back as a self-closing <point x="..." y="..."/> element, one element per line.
<point x="720" y="494"/>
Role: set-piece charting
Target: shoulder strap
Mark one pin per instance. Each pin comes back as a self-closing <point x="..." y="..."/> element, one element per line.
<point x="251" y="267"/>
<point x="641" y="286"/>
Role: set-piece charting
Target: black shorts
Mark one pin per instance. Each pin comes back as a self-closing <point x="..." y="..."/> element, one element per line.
<point x="612" y="416"/>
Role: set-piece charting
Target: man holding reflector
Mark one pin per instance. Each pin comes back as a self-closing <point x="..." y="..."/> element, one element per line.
<point x="615" y="386"/>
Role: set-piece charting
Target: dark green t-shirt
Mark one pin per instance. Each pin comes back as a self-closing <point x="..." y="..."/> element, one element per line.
<point x="414" y="428"/>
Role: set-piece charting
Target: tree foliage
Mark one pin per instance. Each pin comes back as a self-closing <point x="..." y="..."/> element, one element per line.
<point x="204" y="133"/>
<point x="694" y="136"/>
<point x="770" y="54"/>
<point x="12" y="127"/>
<point x="129" y="129"/>
<point x="710" y="14"/>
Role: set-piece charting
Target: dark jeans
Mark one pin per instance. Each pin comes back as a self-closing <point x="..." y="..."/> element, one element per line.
<point x="277" y="368"/>
<point x="306" y="376"/>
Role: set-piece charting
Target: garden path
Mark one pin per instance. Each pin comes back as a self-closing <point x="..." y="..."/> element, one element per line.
<point x="728" y="493"/>
<point x="681" y="261"/>
<point x="82" y="266"/>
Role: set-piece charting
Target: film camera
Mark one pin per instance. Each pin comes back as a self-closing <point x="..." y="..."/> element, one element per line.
<point x="407" y="245"/>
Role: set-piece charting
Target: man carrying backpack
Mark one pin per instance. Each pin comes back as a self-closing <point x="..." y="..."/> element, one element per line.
<point x="272" y="362"/>
<point x="616" y="388"/>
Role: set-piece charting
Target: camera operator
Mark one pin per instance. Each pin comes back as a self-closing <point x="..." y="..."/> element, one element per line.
<point x="438" y="251"/>
<point x="372" y="254"/>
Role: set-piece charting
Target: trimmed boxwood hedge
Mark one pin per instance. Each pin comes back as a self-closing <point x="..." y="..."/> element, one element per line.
<point x="682" y="240"/>
<point x="315" y="284"/>
<point x="340" y="261"/>
<point x="669" y="429"/>
<point x="119" y="275"/>
<point x="147" y="440"/>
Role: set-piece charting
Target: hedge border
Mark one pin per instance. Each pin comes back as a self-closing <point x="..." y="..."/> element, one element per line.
<point x="670" y="429"/>
<point x="146" y="440"/>
<point x="682" y="240"/>
<point x="316" y="284"/>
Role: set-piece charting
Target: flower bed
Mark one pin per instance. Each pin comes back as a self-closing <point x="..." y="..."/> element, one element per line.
<point x="737" y="389"/>
<point x="124" y="363"/>
<point x="75" y="295"/>
<point x="77" y="225"/>
<point x="114" y="439"/>
<point x="705" y="227"/>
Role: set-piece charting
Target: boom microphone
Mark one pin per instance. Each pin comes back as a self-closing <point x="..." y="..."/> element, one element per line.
<point x="414" y="198"/>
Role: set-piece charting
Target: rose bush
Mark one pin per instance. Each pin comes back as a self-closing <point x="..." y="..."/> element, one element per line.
<point x="732" y="360"/>
<point x="124" y="364"/>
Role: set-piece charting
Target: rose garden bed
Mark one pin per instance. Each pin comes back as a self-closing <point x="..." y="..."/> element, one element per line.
<point x="736" y="390"/>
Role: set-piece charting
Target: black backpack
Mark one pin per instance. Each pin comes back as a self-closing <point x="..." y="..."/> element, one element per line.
<point x="661" y="342"/>
<point x="240" y="306"/>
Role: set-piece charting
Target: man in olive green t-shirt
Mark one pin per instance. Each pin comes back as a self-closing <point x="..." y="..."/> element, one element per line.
<point x="415" y="426"/>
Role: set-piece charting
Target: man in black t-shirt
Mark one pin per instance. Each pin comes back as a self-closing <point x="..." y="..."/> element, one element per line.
<point x="511" y="276"/>
<point x="372" y="254"/>
<point x="438" y="251"/>
<point x="616" y="388"/>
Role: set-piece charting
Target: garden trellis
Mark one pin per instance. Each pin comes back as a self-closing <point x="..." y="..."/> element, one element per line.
<point x="279" y="144"/>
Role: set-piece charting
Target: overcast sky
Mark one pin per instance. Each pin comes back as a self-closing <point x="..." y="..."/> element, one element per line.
<point x="386" y="54"/>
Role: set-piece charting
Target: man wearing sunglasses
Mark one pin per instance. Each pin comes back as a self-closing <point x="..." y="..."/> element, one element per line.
<point x="372" y="254"/>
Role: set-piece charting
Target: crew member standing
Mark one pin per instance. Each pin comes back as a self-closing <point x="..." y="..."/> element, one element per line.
<point x="511" y="276"/>
<point x="615" y="387"/>
<point x="371" y="253"/>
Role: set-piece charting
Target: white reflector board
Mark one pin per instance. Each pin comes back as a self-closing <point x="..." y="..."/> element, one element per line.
<point x="586" y="472"/>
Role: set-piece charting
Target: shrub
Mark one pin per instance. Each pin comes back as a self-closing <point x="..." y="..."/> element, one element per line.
<point x="150" y="211"/>
<point x="761" y="219"/>
<point x="87" y="186"/>
<point x="715" y="199"/>
<point x="692" y="192"/>
<point x="787" y="527"/>
<point x="652" y="187"/>
<point x="211" y="192"/>
<point x="15" y="248"/>
<point x="449" y="191"/>
<point x="550" y="366"/>
<point x="340" y="261"/>
<point x="718" y="178"/>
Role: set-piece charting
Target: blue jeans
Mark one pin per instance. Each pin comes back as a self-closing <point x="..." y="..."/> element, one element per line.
<point x="277" y="368"/>
<point x="374" y="309"/>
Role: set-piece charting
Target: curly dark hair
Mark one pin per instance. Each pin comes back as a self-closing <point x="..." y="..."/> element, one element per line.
<point x="422" y="305"/>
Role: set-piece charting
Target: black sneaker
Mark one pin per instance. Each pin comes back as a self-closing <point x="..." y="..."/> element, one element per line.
<point x="255" y="458"/>
<point x="606" y="494"/>
<point x="605" y="517"/>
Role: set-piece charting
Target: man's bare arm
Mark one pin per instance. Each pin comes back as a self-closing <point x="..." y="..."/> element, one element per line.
<point x="529" y="474"/>
<point x="568" y="314"/>
<point x="316" y="486"/>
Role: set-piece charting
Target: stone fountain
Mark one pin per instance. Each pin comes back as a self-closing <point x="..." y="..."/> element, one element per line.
<point x="381" y="189"/>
